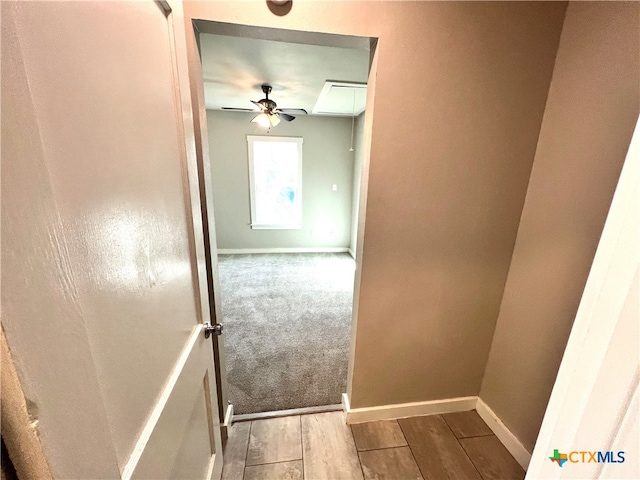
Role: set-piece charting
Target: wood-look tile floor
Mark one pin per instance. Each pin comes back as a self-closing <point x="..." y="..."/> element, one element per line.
<point x="454" y="446"/>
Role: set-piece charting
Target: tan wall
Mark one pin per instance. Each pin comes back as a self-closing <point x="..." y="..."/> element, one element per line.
<point x="588" y="123"/>
<point x="460" y="94"/>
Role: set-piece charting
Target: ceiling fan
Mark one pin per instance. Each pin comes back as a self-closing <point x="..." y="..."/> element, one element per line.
<point x="269" y="114"/>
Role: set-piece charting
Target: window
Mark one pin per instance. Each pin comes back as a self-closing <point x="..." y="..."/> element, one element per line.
<point x="275" y="182"/>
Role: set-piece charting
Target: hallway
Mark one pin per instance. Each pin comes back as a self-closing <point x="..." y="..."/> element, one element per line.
<point x="321" y="446"/>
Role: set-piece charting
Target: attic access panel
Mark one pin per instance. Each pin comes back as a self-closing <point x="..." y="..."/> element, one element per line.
<point x="341" y="99"/>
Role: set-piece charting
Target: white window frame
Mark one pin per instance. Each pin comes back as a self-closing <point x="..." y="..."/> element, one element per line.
<point x="252" y="185"/>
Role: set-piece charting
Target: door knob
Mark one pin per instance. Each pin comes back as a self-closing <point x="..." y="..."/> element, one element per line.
<point x="215" y="329"/>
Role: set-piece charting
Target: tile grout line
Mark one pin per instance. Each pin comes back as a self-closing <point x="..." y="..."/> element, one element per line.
<point x="463" y="449"/>
<point x="447" y="424"/>
<point x="470" y="459"/>
<point x="356" y="447"/>
<point x="477" y="436"/>
<point x="424" y="477"/>
<point x="273" y="463"/>
<point x="465" y="436"/>
<point x="382" y="448"/>
<point x="301" y="445"/>
<point x="458" y="439"/>
<point x="244" y="469"/>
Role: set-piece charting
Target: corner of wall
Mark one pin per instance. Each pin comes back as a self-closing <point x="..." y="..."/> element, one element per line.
<point x="589" y="115"/>
<point x="504" y="434"/>
<point x="490" y="353"/>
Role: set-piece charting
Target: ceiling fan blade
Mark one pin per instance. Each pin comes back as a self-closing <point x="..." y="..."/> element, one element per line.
<point x="297" y="111"/>
<point x="234" y="109"/>
<point x="285" y="116"/>
<point x="260" y="105"/>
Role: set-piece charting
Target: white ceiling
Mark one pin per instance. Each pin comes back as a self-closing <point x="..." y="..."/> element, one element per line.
<point x="235" y="67"/>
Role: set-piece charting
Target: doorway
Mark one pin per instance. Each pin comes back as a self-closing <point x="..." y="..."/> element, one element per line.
<point x="285" y="295"/>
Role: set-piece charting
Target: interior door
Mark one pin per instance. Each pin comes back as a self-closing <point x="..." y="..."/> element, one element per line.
<point x="104" y="291"/>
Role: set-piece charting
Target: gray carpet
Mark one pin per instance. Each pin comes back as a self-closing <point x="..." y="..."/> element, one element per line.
<point x="287" y="320"/>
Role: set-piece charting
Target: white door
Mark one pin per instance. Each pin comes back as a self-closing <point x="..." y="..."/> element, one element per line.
<point x="103" y="288"/>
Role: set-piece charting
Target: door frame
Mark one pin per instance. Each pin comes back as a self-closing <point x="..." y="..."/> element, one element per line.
<point x="206" y="217"/>
<point x="206" y="25"/>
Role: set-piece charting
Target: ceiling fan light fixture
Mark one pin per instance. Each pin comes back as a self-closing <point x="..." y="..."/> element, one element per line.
<point x="266" y="120"/>
<point x="274" y="119"/>
<point x="270" y="115"/>
<point x="262" y="119"/>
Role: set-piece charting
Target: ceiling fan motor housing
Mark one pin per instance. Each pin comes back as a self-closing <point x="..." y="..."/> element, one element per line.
<point x="268" y="104"/>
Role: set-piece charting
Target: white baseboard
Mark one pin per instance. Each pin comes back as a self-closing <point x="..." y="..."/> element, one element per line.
<point x="508" y="439"/>
<point x="228" y="417"/>
<point x="449" y="405"/>
<point x="240" y="251"/>
<point x="225" y="425"/>
<point x="402" y="410"/>
<point x="345" y="404"/>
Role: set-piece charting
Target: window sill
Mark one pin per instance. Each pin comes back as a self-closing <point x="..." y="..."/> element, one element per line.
<point x="276" y="227"/>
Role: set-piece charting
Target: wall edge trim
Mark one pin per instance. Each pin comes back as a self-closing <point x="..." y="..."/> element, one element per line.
<point x="506" y="436"/>
<point x="241" y="251"/>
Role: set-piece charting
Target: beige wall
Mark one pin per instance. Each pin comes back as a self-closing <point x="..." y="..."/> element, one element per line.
<point x="326" y="160"/>
<point x="460" y="93"/>
<point x="588" y="123"/>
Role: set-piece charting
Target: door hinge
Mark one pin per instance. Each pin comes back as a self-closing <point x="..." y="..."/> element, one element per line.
<point x="215" y="329"/>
